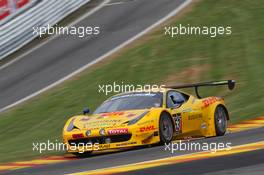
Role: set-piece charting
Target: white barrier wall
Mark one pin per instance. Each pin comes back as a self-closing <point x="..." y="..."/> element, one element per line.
<point x="19" y="31"/>
<point x="11" y="8"/>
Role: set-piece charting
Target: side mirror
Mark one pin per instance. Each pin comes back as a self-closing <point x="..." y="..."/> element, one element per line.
<point x="231" y="84"/>
<point x="86" y="111"/>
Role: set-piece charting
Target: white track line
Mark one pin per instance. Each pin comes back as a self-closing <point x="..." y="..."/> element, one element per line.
<point x="114" y="3"/>
<point x="171" y="14"/>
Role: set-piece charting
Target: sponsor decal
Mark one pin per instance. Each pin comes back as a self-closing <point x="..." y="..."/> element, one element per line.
<point x="118" y="131"/>
<point x="194" y="116"/>
<point x="203" y="126"/>
<point x="126" y="143"/>
<point x="147" y="128"/>
<point x="104" y="146"/>
<point x="105" y="121"/>
<point x="84" y="119"/>
<point x="97" y="126"/>
<point x="102" y="124"/>
<point x="112" y="113"/>
<point x="211" y="100"/>
<point x="77" y="136"/>
<point x="178" y="123"/>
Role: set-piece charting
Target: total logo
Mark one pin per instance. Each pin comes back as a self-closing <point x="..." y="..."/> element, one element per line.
<point x="118" y="131"/>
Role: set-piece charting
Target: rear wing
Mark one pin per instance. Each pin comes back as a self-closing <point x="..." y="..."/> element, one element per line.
<point x="230" y="84"/>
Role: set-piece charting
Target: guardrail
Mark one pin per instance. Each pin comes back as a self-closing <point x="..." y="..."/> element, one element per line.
<point x="19" y="31"/>
<point x="14" y="10"/>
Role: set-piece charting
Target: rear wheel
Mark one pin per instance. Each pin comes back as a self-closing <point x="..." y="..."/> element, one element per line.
<point x="165" y="128"/>
<point x="220" y="120"/>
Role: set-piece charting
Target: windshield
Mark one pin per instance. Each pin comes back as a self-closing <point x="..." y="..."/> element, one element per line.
<point x="131" y="101"/>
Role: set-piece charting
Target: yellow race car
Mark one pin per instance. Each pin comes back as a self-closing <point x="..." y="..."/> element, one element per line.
<point x="146" y="118"/>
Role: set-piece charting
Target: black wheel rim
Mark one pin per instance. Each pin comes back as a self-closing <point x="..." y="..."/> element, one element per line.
<point x="221" y="120"/>
<point x="167" y="130"/>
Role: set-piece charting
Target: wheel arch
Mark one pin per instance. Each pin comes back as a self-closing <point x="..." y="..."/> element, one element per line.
<point x="218" y="131"/>
<point x="226" y="111"/>
<point x="171" y="118"/>
<point x="209" y="115"/>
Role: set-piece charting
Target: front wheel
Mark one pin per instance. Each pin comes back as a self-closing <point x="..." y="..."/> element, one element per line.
<point x="220" y="120"/>
<point x="165" y="128"/>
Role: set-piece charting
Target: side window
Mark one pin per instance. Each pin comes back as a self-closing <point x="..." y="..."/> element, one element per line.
<point x="175" y="99"/>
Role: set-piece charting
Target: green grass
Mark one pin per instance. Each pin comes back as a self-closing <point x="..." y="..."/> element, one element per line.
<point x="155" y="60"/>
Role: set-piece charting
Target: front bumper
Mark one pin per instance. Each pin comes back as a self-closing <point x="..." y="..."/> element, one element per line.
<point x="97" y="143"/>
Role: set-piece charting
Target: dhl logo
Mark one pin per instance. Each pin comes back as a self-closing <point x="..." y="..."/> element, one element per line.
<point x="147" y="128"/>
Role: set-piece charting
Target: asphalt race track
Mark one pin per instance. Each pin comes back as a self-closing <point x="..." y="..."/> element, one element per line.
<point x="249" y="161"/>
<point x="242" y="164"/>
<point x="66" y="54"/>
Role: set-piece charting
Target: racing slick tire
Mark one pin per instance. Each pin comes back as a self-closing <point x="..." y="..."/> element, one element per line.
<point x="165" y="128"/>
<point x="220" y="120"/>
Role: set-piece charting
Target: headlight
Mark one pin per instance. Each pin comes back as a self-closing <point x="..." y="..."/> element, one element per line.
<point x="135" y="120"/>
<point x="71" y="125"/>
<point x="102" y="132"/>
<point x="88" y="133"/>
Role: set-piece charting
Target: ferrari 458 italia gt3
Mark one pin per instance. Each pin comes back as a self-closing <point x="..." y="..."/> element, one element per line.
<point x="146" y="118"/>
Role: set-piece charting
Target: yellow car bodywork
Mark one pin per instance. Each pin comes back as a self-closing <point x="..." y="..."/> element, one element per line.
<point x="195" y="118"/>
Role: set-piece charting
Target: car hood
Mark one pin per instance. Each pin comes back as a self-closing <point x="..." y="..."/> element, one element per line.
<point x="106" y="120"/>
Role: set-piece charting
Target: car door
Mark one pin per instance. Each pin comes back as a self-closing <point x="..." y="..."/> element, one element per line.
<point x="187" y="120"/>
